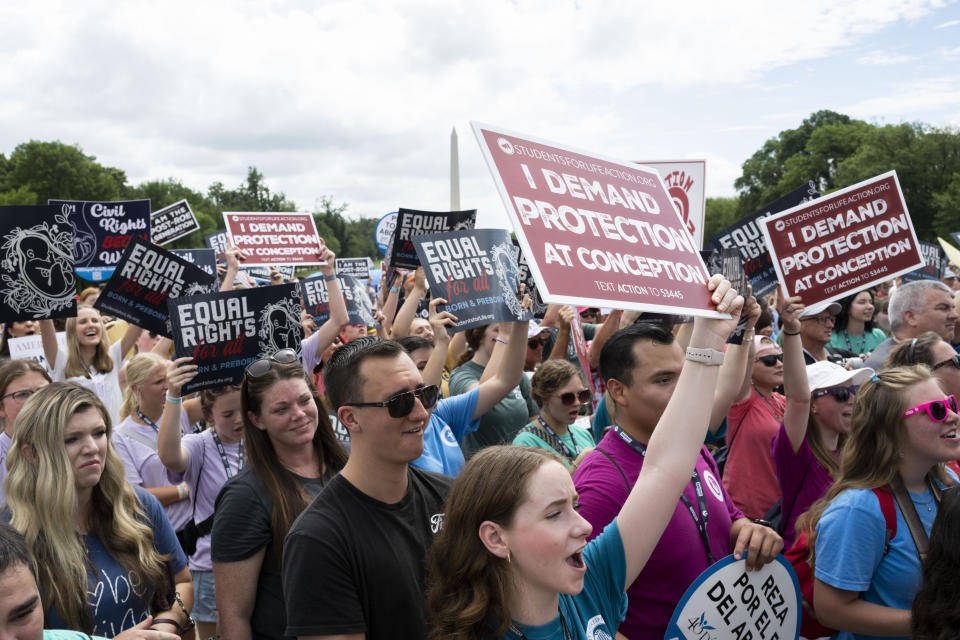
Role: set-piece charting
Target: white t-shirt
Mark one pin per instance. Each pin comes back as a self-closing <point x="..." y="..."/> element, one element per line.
<point x="105" y="385"/>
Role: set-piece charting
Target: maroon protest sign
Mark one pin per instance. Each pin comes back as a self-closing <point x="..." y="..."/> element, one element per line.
<point x="272" y="238"/>
<point x="596" y="231"/>
<point x="828" y="248"/>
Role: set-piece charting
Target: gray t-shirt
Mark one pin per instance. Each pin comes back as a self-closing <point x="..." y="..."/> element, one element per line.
<point x="875" y="361"/>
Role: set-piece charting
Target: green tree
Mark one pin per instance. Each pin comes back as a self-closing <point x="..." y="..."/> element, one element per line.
<point x="947" y="206"/>
<point x="20" y="195"/>
<point x="165" y="192"/>
<point x="57" y="170"/>
<point x="720" y="213"/>
<point x="255" y="195"/>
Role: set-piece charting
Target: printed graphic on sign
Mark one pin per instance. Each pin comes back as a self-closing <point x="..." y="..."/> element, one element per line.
<point x="36" y="270"/>
<point x="205" y="259"/>
<point x="833" y="246"/>
<point x="357" y="267"/>
<point x="727" y="601"/>
<point x="384" y="231"/>
<point x="224" y="332"/>
<point x="686" y="182"/>
<point x="317" y="302"/>
<point x="596" y="231"/>
<point x="101" y="231"/>
<point x="475" y="272"/>
<point x="143" y="281"/>
<point x="172" y="222"/>
<point x="219" y="242"/>
<point x="746" y="236"/>
<point x="272" y="238"/>
<point x="539" y="307"/>
<point x="934" y="262"/>
<point x="412" y="223"/>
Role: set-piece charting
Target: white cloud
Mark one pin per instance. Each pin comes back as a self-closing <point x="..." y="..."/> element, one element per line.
<point x="949" y="23"/>
<point x="903" y="100"/>
<point x="882" y="58"/>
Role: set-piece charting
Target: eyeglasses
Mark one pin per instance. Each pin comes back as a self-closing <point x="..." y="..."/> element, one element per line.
<point x="840" y="394"/>
<point x="955" y="361"/>
<point x="260" y="367"/>
<point x="937" y="409"/>
<point x="20" y="396"/>
<point x="582" y="397"/>
<point x="770" y="361"/>
<point x="401" y="404"/>
<point x="821" y="319"/>
<point x="535" y="343"/>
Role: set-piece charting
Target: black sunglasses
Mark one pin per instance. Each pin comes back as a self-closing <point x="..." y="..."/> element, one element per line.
<point x="535" y="343"/>
<point x="259" y="367"/>
<point x="840" y="394"/>
<point x="770" y="361"/>
<point x="401" y="404"/>
<point x="955" y="361"/>
<point x="583" y="397"/>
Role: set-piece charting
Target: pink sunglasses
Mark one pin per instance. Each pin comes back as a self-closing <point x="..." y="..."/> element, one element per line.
<point x="937" y="409"/>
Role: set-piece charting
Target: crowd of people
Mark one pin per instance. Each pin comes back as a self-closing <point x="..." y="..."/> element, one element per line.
<point x="402" y="482"/>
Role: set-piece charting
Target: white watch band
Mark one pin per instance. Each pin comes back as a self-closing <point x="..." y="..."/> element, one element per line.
<point x="709" y="357"/>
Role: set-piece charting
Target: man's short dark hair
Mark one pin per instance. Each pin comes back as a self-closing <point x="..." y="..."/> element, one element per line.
<point x="341" y="375"/>
<point x="13" y="550"/>
<point x="412" y="343"/>
<point x="617" y="359"/>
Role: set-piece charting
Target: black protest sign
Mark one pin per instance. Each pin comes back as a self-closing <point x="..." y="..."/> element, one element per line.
<point x="956" y="237"/>
<point x="746" y="236"/>
<point x="143" y="281"/>
<point x="172" y="222"/>
<point x="316" y="300"/>
<point x="526" y="278"/>
<point x="934" y="262"/>
<point x="226" y="331"/>
<point x="219" y="242"/>
<point x="356" y="267"/>
<point x="102" y="230"/>
<point x="205" y="259"/>
<point x="412" y="223"/>
<point x="36" y="272"/>
<point x="475" y="272"/>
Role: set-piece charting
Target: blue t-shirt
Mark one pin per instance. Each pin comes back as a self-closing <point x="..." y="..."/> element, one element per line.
<point x="450" y="421"/>
<point x="597" y="611"/>
<point x="114" y="604"/>
<point x="850" y="540"/>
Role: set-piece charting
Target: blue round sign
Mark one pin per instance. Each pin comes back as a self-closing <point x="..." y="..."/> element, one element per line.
<point x="384" y="231"/>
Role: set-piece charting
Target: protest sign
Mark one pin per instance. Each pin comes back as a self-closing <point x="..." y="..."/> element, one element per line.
<point x="205" y="259"/>
<point x="317" y="303"/>
<point x="475" y="272"/>
<point x="220" y="242"/>
<point x="36" y="264"/>
<point x="686" y="182"/>
<point x="836" y="245"/>
<point x="31" y="348"/>
<point x="411" y="223"/>
<point x="172" y="222"/>
<point x="580" y="344"/>
<point x="727" y="601"/>
<point x="596" y="231"/>
<point x="539" y="307"/>
<point x="271" y="238"/>
<point x="745" y="235"/>
<point x="384" y="231"/>
<point x="956" y="237"/>
<point x="144" y="278"/>
<point x="953" y="254"/>
<point x="356" y="267"/>
<point x="934" y="262"/>
<point x="101" y="231"/>
<point x="226" y="331"/>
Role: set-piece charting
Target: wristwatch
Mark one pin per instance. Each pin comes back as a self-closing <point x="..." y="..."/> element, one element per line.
<point x="763" y="523"/>
<point x="709" y="357"/>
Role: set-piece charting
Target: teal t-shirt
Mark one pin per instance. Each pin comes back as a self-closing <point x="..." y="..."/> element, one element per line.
<point x="597" y="611"/>
<point x="63" y="634"/>
<point x="576" y="440"/>
<point x="857" y="344"/>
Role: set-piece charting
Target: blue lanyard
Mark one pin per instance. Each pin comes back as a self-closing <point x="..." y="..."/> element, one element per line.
<point x="565" y="451"/>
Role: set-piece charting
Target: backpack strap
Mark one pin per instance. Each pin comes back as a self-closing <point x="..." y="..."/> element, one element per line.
<point x="889" y="515"/>
<point x="139" y="437"/>
<point x="610" y="458"/>
<point x="917" y="532"/>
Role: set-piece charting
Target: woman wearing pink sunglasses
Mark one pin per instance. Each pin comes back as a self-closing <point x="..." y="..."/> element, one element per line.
<point x="904" y="428"/>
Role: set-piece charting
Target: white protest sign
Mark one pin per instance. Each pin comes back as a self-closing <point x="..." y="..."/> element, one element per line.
<point x="31" y="348"/>
<point x="727" y="601"/>
<point x="686" y="182"/>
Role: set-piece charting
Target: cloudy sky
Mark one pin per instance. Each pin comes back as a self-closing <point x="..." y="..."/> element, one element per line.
<point x="357" y="99"/>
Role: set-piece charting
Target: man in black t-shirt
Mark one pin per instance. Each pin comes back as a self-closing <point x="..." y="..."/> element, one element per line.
<point x="353" y="562"/>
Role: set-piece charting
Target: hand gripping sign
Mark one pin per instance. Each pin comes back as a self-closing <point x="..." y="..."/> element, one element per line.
<point x="596" y="231"/>
<point x="828" y="248"/>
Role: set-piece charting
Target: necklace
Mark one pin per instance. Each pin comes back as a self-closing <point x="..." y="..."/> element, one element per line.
<point x="773" y="407"/>
<point x="520" y="634"/>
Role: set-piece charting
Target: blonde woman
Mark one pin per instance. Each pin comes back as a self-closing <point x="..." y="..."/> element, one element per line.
<point x="104" y="548"/>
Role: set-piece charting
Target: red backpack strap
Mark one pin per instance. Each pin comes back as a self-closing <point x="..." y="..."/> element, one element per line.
<point x="885" y="496"/>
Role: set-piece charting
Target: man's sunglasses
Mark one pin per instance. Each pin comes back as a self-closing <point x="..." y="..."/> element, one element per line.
<point x="955" y="361"/>
<point x="582" y="397"/>
<point x="260" y="367"/>
<point x="401" y="404"/>
<point x="770" y="361"/>
<point x="840" y="394"/>
<point x="937" y="409"/>
<point x="535" y="343"/>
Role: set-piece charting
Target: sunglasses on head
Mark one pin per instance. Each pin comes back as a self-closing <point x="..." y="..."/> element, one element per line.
<point x="401" y="404"/>
<point x="771" y="360"/>
<point x="955" y="361"/>
<point x="840" y="394"/>
<point x="259" y="367"/>
<point x="582" y="397"/>
<point x="936" y="409"/>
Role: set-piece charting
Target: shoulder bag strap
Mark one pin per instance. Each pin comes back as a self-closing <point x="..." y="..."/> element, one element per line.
<point x="139" y="437"/>
<point x="902" y="496"/>
<point x="549" y="438"/>
<point x="889" y="512"/>
<point x="610" y="458"/>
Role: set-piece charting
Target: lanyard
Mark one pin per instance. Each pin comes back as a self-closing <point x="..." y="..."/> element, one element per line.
<point x="223" y="455"/>
<point x="564" y="450"/>
<point x="150" y="423"/>
<point x="863" y="345"/>
<point x="563" y="623"/>
<point x="704" y="516"/>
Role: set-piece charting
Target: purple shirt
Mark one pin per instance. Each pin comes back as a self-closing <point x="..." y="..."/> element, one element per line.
<point x="142" y="467"/>
<point x="4" y="445"/>
<point x="803" y="481"/>
<point x="679" y="556"/>
<point x="206" y="474"/>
